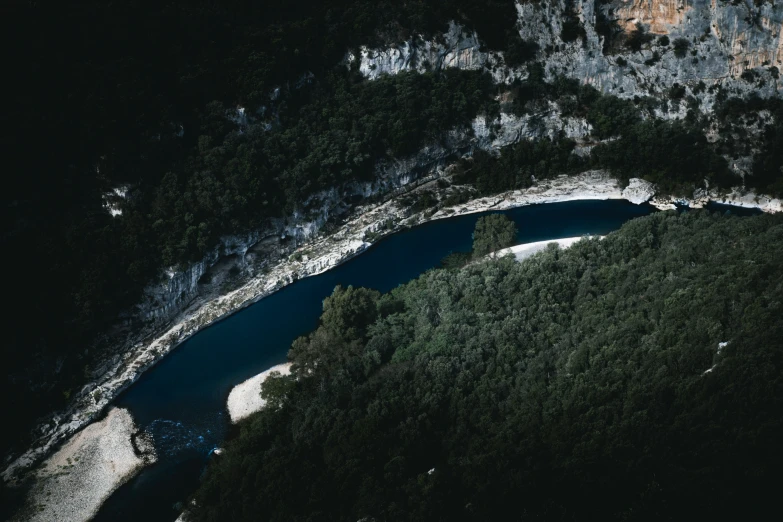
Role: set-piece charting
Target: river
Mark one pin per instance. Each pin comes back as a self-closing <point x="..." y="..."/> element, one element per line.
<point x="181" y="401"/>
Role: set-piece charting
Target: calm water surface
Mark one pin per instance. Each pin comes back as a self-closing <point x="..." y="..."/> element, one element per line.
<point x="181" y="401"/>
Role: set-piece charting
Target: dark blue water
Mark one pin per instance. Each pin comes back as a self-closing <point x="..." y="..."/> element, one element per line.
<point x="733" y="209"/>
<point x="181" y="401"/>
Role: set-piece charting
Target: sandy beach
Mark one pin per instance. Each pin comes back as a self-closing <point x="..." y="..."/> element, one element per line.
<point x="526" y="250"/>
<point x="245" y="398"/>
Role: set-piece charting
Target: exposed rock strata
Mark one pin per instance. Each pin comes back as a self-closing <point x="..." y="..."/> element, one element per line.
<point x="639" y="191"/>
<point x="456" y="48"/>
<point x="737" y="197"/>
<point x="508" y="128"/>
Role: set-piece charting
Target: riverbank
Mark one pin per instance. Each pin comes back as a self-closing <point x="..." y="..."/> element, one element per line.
<point x="245" y="398"/>
<point x="73" y="483"/>
<point x="365" y="226"/>
<point x="737" y="197"/>
<point x="526" y="250"/>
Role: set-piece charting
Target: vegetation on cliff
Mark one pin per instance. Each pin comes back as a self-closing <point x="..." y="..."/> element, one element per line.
<point x="633" y="378"/>
<point x="630" y="141"/>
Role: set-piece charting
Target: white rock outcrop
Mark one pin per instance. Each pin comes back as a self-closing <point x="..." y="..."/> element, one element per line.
<point x="639" y="191"/>
<point x="456" y="48"/>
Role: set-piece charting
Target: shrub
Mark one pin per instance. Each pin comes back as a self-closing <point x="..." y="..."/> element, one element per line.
<point x="681" y="46"/>
<point x="605" y="27"/>
<point x="519" y="51"/>
<point x="677" y="91"/>
<point x="749" y="76"/>
<point x="638" y="37"/>
<point x="572" y="30"/>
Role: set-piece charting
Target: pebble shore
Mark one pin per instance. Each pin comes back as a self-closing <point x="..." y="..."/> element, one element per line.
<point x="72" y="484"/>
<point x="245" y="398"/>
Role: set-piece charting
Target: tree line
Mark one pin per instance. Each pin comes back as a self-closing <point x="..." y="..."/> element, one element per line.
<point x="633" y="378"/>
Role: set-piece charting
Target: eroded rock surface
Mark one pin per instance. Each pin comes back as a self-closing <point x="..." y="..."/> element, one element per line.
<point x="639" y="191"/>
<point x="724" y="40"/>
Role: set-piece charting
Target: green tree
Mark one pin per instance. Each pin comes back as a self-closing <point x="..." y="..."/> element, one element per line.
<point x="275" y="389"/>
<point x="681" y="46"/>
<point x="348" y="311"/>
<point x="493" y="233"/>
<point x="638" y="37"/>
<point x="615" y="380"/>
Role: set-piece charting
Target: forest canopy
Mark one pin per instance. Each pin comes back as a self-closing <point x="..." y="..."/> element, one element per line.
<point x="636" y="377"/>
<point x="493" y="232"/>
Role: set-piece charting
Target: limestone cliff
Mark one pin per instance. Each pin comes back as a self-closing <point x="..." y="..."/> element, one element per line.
<point x="659" y="15"/>
<point x="179" y="288"/>
<point x="743" y="34"/>
<point x="724" y="40"/>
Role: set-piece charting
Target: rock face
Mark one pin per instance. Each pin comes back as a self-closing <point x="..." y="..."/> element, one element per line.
<point x="711" y="48"/>
<point x="458" y="48"/>
<point x="178" y="289"/>
<point x="161" y="301"/>
<point x="639" y="191"/>
<point x="510" y="128"/>
<point x="659" y="15"/>
<point x="724" y="40"/>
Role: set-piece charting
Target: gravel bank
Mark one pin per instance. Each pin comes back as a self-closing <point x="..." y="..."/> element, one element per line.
<point x="73" y="483"/>
<point x="245" y="398"/>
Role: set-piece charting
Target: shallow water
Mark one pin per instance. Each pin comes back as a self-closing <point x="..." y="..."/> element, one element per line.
<point x="181" y="401"/>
